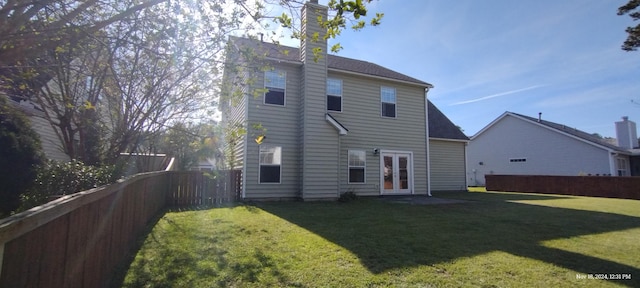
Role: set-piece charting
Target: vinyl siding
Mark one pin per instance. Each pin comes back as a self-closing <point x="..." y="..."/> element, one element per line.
<point x="319" y="140"/>
<point x="50" y="143"/>
<point x="234" y="113"/>
<point x="238" y="116"/>
<point x="281" y="124"/>
<point x="548" y="152"/>
<point x="369" y="130"/>
<point x="447" y="165"/>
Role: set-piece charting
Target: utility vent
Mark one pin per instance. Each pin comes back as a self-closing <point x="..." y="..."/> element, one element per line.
<point x="518" y="160"/>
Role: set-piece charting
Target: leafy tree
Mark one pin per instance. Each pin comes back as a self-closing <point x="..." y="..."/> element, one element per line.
<point x="30" y="28"/>
<point x="633" y="39"/>
<point x="20" y="154"/>
<point x="342" y="15"/>
<point x="70" y="98"/>
<point x="190" y="143"/>
<point x="119" y="72"/>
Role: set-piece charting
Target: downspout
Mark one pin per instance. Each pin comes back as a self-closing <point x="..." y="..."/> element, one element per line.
<point x="339" y="142"/>
<point x="245" y="150"/>
<point x="426" y="125"/>
<point x="466" y="178"/>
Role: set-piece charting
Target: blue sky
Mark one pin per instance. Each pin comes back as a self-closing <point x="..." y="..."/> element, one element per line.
<point x="561" y="58"/>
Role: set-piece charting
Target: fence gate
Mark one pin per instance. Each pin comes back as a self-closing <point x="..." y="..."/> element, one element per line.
<point x="196" y="188"/>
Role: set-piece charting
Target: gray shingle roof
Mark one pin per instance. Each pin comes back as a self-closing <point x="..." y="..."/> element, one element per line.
<point x="292" y="54"/>
<point x="441" y="127"/>
<point x="572" y="131"/>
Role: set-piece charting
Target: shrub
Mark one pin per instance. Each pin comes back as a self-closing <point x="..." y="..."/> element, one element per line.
<point x="348" y="196"/>
<point x="20" y="154"/>
<point x="55" y="179"/>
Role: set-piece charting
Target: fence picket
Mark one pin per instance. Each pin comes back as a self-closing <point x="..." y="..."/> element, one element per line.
<point x="77" y="240"/>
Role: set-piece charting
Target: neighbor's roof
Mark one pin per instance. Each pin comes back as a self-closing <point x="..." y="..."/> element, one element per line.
<point x="441" y="127"/>
<point x="292" y="54"/>
<point x="560" y="128"/>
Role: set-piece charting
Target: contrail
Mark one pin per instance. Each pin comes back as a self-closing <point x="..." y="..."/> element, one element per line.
<point x="497" y="95"/>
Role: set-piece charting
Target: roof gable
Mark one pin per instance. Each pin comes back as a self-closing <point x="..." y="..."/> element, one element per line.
<point x="292" y="54"/>
<point x="556" y="127"/>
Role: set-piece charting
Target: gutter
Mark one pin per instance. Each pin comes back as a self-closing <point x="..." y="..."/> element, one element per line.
<point x="427" y="85"/>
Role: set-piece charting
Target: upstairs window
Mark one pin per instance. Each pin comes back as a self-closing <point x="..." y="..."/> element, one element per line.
<point x="275" y="82"/>
<point x="388" y="101"/>
<point x="357" y="164"/>
<point x="334" y="95"/>
<point x="270" y="164"/>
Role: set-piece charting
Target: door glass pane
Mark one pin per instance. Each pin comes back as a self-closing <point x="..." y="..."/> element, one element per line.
<point x="404" y="172"/>
<point x="388" y="172"/>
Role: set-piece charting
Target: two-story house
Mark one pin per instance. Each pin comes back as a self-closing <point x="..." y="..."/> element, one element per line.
<point x="330" y="124"/>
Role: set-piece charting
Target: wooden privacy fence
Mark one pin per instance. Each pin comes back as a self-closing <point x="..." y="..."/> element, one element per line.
<point x="79" y="239"/>
<point x="189" y="189"/>
<point x="597" y="186"/>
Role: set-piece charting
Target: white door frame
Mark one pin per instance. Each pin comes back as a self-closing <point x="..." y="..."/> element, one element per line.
<point x="396" y="190"/>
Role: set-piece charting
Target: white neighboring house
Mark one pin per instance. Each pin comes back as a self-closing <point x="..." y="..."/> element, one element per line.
<point x="50" y="143"/>
<point x="208" y="164"/>
<point x="515" y="144"/>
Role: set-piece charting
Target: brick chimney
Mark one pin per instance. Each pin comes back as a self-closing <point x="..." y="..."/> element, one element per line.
<point x="626" y="133"/>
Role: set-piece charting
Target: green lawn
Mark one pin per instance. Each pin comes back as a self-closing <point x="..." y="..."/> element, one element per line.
<point x="493" y="240"/>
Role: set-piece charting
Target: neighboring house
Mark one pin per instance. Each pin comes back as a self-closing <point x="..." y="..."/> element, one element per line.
<point x="208" y="164"/>
<point x="332" y="124"/>
<point x="50" y="143"/>
<point x="516" y="144"/>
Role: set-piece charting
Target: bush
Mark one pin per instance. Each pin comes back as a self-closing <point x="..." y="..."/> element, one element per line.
<point x="348" y="196"/>
<point x="55" y="179"/>
<point x="20" y="154"/>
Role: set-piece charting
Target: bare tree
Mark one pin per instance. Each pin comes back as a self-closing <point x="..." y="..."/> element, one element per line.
<point x="119" y="72"/>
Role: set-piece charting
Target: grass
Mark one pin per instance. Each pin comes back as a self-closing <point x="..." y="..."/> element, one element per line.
<point x="492" y="240"/>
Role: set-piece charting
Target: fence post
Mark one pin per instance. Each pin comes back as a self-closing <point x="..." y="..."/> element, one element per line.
<point x="1" y="258"/>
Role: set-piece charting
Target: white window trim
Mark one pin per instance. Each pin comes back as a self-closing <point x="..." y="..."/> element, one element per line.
<point x="621" y="164"/>
<point x="411" y="172"/>
<point x="260" y="165"/>
<point x="395" y="93"/>
<point x="264" y="96"/>
<point x="341" y="93"/>
<point x="364" y="167"/>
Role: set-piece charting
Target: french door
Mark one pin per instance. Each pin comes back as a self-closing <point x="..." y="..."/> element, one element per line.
<point x="396" y="175"/>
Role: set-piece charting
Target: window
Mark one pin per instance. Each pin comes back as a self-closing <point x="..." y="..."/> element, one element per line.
<point x="518" y="160"/>
<point x="275" y="82"/>
<point x="388" y="99"/>
<point x="622" y="166"/>
<point x="357" y="161"/>
<point x="334" y="95"/>
<point x="270" y="162"/>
